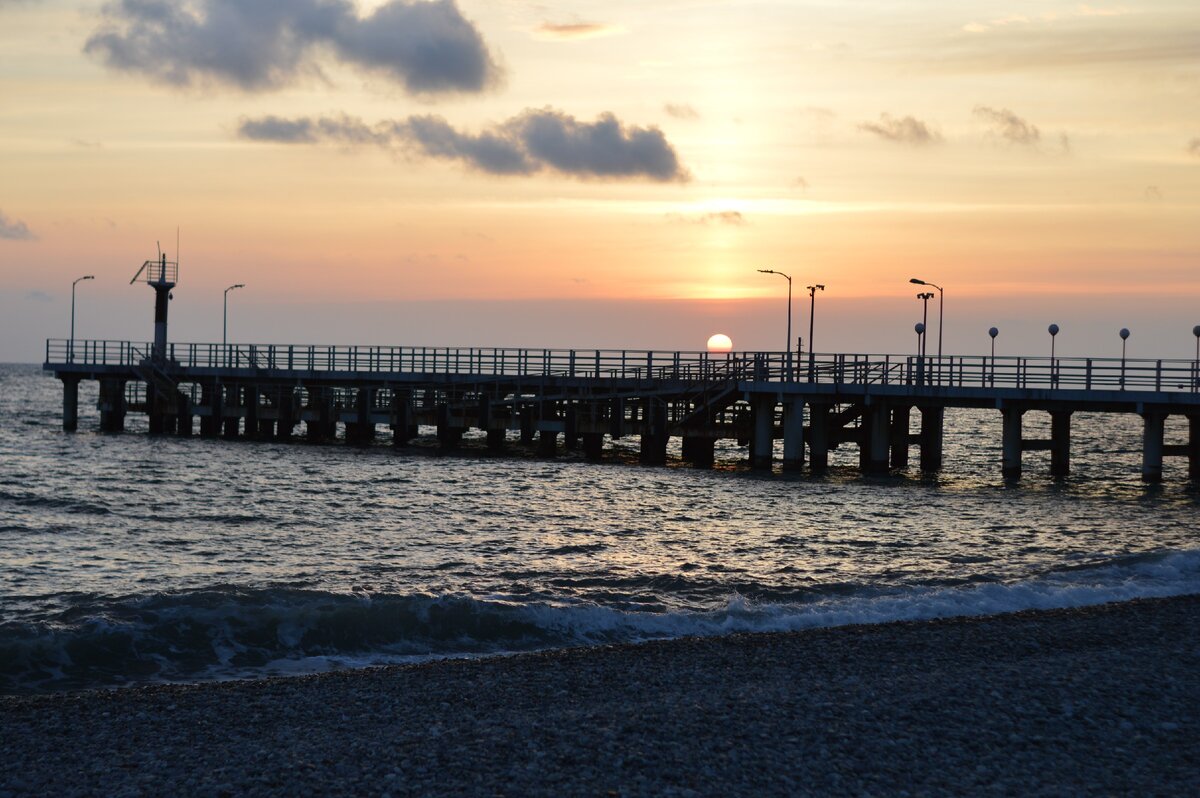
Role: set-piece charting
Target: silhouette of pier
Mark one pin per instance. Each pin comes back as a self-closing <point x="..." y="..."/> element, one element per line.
<point x="575" y="398"/>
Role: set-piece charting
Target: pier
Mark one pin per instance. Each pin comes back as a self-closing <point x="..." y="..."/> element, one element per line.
<point x="577" y="398"/>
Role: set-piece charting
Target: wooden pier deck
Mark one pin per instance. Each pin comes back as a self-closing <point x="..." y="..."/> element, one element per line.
<point x="580" y="396"/>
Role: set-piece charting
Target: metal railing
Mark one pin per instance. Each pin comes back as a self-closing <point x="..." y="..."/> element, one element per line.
<point x="950" y="371"/>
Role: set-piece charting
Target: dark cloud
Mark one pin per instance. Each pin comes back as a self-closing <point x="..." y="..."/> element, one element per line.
<point x="681" y="111"/>
<point x="905" y="130"/>
<point x="427" y="47"/>
<point x="533" y="141"/>
<point x="574" y="30"/>
<point x="1008" y="126"/>
<point x="1193" y="147"/>
<point x="14" y="229"/>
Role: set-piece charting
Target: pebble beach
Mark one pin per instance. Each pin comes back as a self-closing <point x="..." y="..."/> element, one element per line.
<point x="1102" y="700"/>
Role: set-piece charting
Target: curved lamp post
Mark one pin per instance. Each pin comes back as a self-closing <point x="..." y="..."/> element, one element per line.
<point x="225" y="314"/>
<point x="71" y="343"/>
<point x="941" y="308"/>
<point x="812" y="310"/>
<point x="788" y="348"/>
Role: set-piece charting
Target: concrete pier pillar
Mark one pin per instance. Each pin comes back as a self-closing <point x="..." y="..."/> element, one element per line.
<point x="156" y="411"/>
<point x="654" y="434"/>
<point x="210" y="397"/>
<point x="593" y="445"/>
<point x="571" y="434"/>
<point x="1012" y="442"/>
<point x="286" y="402"/>
<point x="899" y="435"/>
<point x="112" y="405"/>
<point x="322" y="427"/>
<point x="933" y="421"/>
<point x="616" y="418"/>
<point x="1152" y="446"/>
<point x="527" y="426"/>
<point x="233" y="402"/>
<point x="818" y="437"/>
<point x="763" y="421"/>
<point x="403" y="430"/>
<point x="1194" y="447"/>
<point x="878" y="436"/>
<point x="250" y="403"/>
<point x="495" y="440"/>
<point x="1060" y="443"/>
<point x="699" y="451"/>
<point x="793" y="434"/>
<point x="449" y="435"/>
<point x="361" y="431"/>
<point x="70" y="414"/>
<point x="548" y="439"/>
<point x="183" y="415"/>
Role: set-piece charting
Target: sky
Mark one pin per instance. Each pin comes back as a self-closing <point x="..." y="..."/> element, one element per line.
<point x="604" y="174"/>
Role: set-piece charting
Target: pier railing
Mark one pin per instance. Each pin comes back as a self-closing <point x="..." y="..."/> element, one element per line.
<point x="955" y="371"/>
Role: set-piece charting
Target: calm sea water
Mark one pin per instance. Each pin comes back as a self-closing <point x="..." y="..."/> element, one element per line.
<point x="126" y="558"/>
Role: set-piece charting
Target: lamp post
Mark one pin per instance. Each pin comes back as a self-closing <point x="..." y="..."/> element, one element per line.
<point x="225" y="315"/>
<point x="993" y="332"/>
<point x="941" y="308"/>
<point x="812" y="309"/>
<point x="1196" y="332"/>
<point x="1124" y="337"/>
<point x="788" y="347"/>
<point x="71" y="343"/>
<point x="1053" y="330"/>
<point x="919" y="327"/>
<point x="924" y="296"/>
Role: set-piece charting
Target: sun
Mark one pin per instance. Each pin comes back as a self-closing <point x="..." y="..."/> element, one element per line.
<point x="720" y="342"/>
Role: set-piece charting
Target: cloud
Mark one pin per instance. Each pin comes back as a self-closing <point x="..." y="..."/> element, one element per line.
<point x="681" y="111"/>
<point x="906" y="130"/>
<point x="800" y="183"/>
<point x="731" y="218"/>
<point x="1193" y="147"/>
<point x="14" y="229"/>
<point x="258" y="45"/>
<point x="533" y="141"/>
<point x="1153" y="194"/>
<point x="1008" y="126"/>
<point x="575" y="30"/>
<point x="37" y="296"/>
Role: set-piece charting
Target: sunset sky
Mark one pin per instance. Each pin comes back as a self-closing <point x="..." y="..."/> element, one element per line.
<point x="610" y="174"/>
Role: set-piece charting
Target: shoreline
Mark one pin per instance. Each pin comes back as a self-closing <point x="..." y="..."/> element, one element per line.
<point x="1096" y="700"/>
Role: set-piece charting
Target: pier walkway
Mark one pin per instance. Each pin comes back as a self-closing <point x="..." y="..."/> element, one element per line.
<point x="814" y="403"/>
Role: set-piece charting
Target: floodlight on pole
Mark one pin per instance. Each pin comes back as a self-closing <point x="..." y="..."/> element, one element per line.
<point x="225" y="314"/>
<point x="71" y="343"/>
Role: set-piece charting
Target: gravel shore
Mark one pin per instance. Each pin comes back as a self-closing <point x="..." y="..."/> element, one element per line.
<point x="1098" y="701"/>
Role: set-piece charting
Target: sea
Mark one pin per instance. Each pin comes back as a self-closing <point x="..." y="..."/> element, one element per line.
<point x="127" y="559"/>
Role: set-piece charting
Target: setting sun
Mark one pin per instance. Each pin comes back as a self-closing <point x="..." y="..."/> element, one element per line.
<point x="720" y="342"/>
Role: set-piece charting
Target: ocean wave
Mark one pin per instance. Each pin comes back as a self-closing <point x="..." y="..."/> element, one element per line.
<point x="227" y="631"/>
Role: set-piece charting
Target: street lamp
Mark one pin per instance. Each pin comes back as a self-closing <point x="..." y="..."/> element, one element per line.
<point x="1124" y="337"/>
<point x="225" y="315"/>
<point x="71" y="343"/>
<point x="787" y="348"/>
<point x="924" y="296"/>
<point x="941" y="308"/>
<point x="920" y="330"/>
<point x="812" y="309"/>
<point x="1053" y="330"/>
<point x="993" y="332"/>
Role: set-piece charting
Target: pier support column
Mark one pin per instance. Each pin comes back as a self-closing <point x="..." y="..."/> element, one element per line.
<point x="933" y="420"/>
<point x="654" y="434"/>
<point x="571" y="435"/>
<point x="70" y="414"/>
<point x="183" y="415"/>
<point x="763" y="420"/>
<point x="286" y="402"/>
<point x="361" y="431"/>
<point x="403" y="430"/>
<point x="793" y="434"/>
<point x="495" y="440"/>
<point x="112" y="405"/>
<point x="1012" y="442"/>
<point x="449" y="436"/>
<point x="527" y="426"/>
<point x="818" y="437"/>
<point x="210" y="397"/>
<point x="232" y="401"/>
<point x="250" y="402"/>
<point x="616" y="418"/>
<point x="156" y="411"/>
<point x="593" y="445"/>
<point x="1194" y="447"/>
<point x="1060" y="443"/>
<point x="899" y="436"/>
<point x="1152" y="446"/>
<point x="548" y="439"/>
<point x="318" y="429"/>
<point x="698" y="451"/>
<point x="878" y="436"/>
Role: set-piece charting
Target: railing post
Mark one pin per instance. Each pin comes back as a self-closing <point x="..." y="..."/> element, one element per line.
<point x="1158" y="376"/>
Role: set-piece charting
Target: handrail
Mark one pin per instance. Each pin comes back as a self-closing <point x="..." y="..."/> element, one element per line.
<point x="953" y="371"/>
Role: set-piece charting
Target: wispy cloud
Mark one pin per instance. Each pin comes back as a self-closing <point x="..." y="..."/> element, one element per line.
<point x="14" y="229"/>
<point x="38" y="296"/>
<point x="681" y="111"/>
<point x="730" y="218"/>
<point x="575" y="30"/>
<point x="1008" y="127"/>
<point x="1193" y="147"/>
<point x="1153" y="194"/>
<point x="426" y="47"/>
<point x="534" y="141"/>
<point x="800" y="183"/>
<point x="903" y="130"/>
